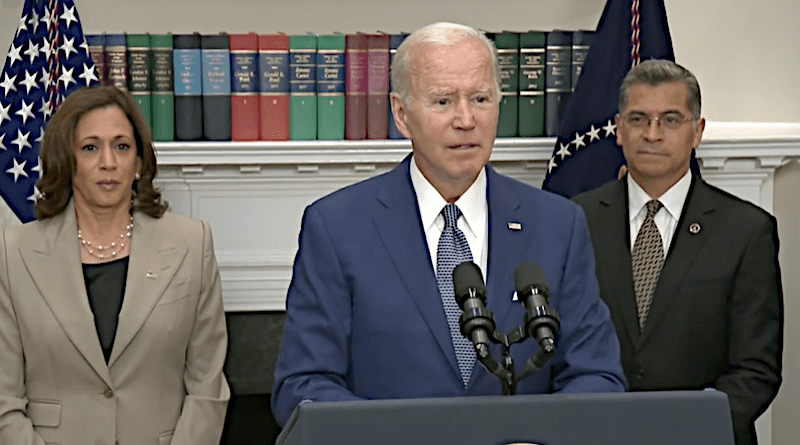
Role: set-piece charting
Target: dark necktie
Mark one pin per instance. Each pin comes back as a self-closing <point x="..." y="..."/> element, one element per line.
<point x="452" y="251"/>
<point x="647" y="259"/>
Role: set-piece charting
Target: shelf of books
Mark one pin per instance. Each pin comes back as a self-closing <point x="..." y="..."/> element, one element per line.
<point x="279" y="87"/>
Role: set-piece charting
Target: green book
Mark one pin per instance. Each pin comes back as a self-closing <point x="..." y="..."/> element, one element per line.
<point x="330" y="86"/>
<point x="139" y="77"/>
<point x="302" y="87"/>
<point x="163" y="100"/>
<point x="507" y="43"/>
<point x="531" y="83"/>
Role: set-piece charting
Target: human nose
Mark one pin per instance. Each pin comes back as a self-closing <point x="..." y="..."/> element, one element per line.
<point x="653" y="131"/>
<point x="465" y="116"/>
<point x="108" y="160"/>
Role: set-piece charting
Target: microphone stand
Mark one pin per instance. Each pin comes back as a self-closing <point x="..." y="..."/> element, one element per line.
<point x="504" y="370"/>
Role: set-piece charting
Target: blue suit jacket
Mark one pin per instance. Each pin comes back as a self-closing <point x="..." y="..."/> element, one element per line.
<point x="364" y="318"/>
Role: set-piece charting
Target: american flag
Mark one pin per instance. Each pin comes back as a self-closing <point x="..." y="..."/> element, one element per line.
<point x="47" y="60"/>
<point x="586" y="154"/>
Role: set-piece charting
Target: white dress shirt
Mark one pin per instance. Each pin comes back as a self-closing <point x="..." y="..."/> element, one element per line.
<point x="474" y="220"/>
<point x="667" y="217"/>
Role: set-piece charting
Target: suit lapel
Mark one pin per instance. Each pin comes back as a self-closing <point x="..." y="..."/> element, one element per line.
<point x="614" y="256"/>
<point x="699" y="209"/>
<point x="53" y="262"/>
<point x="506" y="245"/>
<point x="399" y="227"/>
<point x="154" y="259"/>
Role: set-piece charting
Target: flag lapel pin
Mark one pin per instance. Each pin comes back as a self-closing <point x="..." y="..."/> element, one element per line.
<point x="513" y="225"/>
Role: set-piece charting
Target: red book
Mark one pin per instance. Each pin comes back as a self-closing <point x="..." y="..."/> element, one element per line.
<point x="378" y="87"/>
<point x="355" y="78"/>
<point x="244" y="87"/>
<point x="273" y="63"/>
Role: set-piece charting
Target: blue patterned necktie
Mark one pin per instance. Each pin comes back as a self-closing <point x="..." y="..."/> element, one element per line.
<point x="452" y="251"/>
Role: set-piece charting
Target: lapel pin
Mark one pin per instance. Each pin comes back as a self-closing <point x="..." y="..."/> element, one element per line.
<point x="514" y="226"/>
<point x="694" y="228"/>
<point x="151" y="274"/>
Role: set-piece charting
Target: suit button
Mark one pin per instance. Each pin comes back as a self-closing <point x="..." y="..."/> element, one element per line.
<point x="108" y="393"/>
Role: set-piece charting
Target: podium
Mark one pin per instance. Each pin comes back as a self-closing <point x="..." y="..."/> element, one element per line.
<point x="641" y="418"/>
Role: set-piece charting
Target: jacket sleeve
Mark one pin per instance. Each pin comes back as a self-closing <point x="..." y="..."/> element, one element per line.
<point x="755" y="316"/>
<point x="313" y="361"/>
<point x="589" y="343"/>
<point x="207" y="393"/>
<point x="15" y="427"/>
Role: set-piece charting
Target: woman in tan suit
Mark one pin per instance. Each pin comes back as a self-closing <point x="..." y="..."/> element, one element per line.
<point x="112" y="329"/>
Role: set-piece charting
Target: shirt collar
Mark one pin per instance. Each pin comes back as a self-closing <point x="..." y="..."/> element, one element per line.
<point x="472" y="203"/>
<point x="673" y="199"/>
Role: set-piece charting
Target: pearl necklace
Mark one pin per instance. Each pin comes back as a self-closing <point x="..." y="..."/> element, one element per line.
<point x="103" y="250"/>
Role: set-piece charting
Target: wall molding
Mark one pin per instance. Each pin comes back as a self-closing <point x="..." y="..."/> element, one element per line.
<point x="253" y="193"/>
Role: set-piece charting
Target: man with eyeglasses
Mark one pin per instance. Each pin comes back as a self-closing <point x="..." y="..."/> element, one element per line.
<point x="689" y="272"/>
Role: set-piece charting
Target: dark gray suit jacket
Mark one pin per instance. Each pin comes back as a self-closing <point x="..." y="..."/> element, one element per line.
<point x="716" y="320"/>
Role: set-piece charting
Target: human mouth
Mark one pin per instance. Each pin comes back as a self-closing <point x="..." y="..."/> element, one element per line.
<point x="465" y="146"/>
<point x="108" y="185"/>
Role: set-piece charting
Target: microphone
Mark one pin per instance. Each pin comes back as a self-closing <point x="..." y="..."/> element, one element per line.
<point x="541" y="321"/>
<point x="476" y="322"/>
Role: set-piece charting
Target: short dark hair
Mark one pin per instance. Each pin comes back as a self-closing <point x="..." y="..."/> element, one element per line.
<point x="58" y="157"/>
<point x="658" y="71"/>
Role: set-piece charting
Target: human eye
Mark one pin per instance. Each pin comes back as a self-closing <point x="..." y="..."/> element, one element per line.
<point x="123" y="146"/>
<point x="89" y="147"/>
<point x="442" y="101"/>
<point x="636" y="119"/>
<point x="672" y="119"/>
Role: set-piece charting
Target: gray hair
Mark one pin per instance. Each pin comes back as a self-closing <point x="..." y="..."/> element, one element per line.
<point x="441" y="33"/>
<point x="657" y="71"/>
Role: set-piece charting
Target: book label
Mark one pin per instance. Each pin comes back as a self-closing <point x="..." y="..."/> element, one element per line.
<point x="188" y="68"/>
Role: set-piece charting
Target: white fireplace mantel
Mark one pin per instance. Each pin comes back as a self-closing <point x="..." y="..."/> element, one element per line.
<point x="253" y="193"/>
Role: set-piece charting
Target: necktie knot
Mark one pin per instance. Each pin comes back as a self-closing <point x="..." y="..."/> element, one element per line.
<point x="653" y="206"/>
<point x="451" y="212"/>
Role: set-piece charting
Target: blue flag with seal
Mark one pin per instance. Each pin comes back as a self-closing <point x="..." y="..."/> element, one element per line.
<point x="586" y="154"/>
<point x="47" y="60"/>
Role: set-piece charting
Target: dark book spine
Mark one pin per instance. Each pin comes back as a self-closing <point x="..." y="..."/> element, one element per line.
<point x="531" y="84"/>
<point x="116" y="61"/>
<point x="97" y="52"/>
<point x="581" y="40"/>
<point x="558" y="83"/>
<point x="216" y="87"/>
<point x="188" y="75"/>
<point x="507" y="44"/>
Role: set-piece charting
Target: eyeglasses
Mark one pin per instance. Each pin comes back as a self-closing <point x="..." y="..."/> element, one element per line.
<point x="669" y="121"/>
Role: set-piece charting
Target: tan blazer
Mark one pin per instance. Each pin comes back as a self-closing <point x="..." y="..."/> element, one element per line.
<point x="163" y="383"/>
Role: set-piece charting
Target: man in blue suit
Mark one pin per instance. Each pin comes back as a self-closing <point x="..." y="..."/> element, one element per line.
<point x="365" y="317"/>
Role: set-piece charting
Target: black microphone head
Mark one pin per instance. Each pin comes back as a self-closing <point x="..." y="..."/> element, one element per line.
<point x="466" y="276"/>
<point x="530" y="275"/>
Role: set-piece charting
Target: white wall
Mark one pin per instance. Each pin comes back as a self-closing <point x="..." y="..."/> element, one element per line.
<point x="744" y="52"/>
